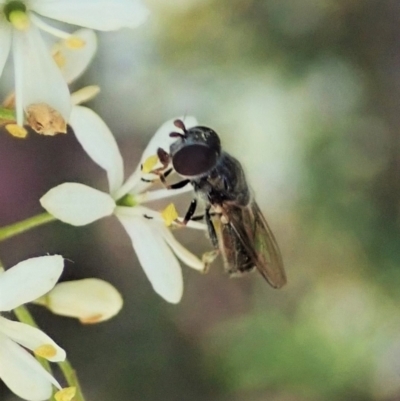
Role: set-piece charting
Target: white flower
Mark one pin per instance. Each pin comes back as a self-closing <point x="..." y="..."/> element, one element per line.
<point x="90" y="300"/>
<point x="37" y="78"/>
<point x="78" y="204"/>
<point x="19" y="370"/>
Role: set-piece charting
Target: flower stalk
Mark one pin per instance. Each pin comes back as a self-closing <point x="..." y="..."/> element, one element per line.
<point x="25" y="225"/>
<point x="72" y="379"/>
<point x="24" y="316"/>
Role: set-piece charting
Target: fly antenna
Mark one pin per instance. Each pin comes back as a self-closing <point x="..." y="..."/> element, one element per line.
<point x="179" y="124"/>
<point x="177" y="135"/>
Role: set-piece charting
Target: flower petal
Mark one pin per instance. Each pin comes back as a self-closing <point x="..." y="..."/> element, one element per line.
<point x="183" y="254"/>
<point x="29" y="280"/>
<point x="73" y="62"/>
<point x="22" y="373"/>
<point x="90" y="300"/>
<point x="160" y="139"/>
<point x="104" y="15"/>
<point x="99" y="143"/>
<point x="37" y="77"/>
<point x="155" y="256"/>
<point x="5" y="44"/>
<point x="77" y="204"/>
<point x="30" y="337"/>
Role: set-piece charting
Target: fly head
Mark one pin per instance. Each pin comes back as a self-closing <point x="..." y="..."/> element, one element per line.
<point x="196" y="151"/>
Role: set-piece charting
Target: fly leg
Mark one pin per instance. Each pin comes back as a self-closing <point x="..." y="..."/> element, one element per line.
<point x="211" y="229"/>
<point x="164" y="175"/>
<point x="190" y="212"/>
<point x="209" y="257"/>
<point x="162" y="172"/>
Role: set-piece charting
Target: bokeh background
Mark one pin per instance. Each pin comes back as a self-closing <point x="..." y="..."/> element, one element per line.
<point x="307" y="95"/>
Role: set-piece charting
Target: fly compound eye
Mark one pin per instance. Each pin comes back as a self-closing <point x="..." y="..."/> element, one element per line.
<point x="193" y="160"/>
<point x="195" y="152"/>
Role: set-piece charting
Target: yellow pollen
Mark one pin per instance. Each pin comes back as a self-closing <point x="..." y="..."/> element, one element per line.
<point x="66" y="394"/>
<point x="74" y="42"/>
<point x="45" y="120"/>
<point x="16" y="130"/>
<point x="169" y="214"/>
<point x="59" y="58"/>
<point x="45" y="351"/>
<point x="149" y="164"/>
<point x="19" y="19"/>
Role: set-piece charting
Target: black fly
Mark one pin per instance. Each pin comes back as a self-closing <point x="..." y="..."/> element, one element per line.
<point x="235" y="223"/>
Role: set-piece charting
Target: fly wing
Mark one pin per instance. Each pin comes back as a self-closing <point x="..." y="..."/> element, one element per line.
<point x="236" y="258"/>
<point x="259" y="242"/>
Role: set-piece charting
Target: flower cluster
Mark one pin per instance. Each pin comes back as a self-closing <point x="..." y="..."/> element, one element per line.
<point x="38" y="79"/>
<point x="19" y="370"/>
<point x="41" y="101"/>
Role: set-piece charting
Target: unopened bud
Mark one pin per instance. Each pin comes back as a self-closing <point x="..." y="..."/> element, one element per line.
<point x="90" y="300"/>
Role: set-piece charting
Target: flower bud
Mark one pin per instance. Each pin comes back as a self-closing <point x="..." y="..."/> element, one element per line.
<point x="90" y="300"/>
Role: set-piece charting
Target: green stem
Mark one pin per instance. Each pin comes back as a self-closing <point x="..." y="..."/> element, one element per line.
<point x="25" y="225"/>
<point x="7" y="114"/>
<point x="24" y="316"/>
<point x="72" y="379"/>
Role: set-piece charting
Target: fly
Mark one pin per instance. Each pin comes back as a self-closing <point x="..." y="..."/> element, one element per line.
<point x="236" y="225"/>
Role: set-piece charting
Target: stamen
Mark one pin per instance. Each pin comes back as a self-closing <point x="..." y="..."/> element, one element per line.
<point x="149" y="164"/>
<point x="75" y="42"/>
<point x="45" y="351"/>
<point x="181" y="252"/>
<point x="169" y="214"/>
<point x="66" y="394"/>
<point x="48" y="28"/>
<point x="196" y="225"/>
<point x="59" y="58"/>
<point x="150" y="196"/>
<point x="128" y="186"/>
<point x="45" y="120"/>
<point x="17" y="131"/>
<point x="85" y="94"/>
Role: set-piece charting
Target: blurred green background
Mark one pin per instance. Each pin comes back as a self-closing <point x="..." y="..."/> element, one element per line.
<point x="307" y="95"/>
